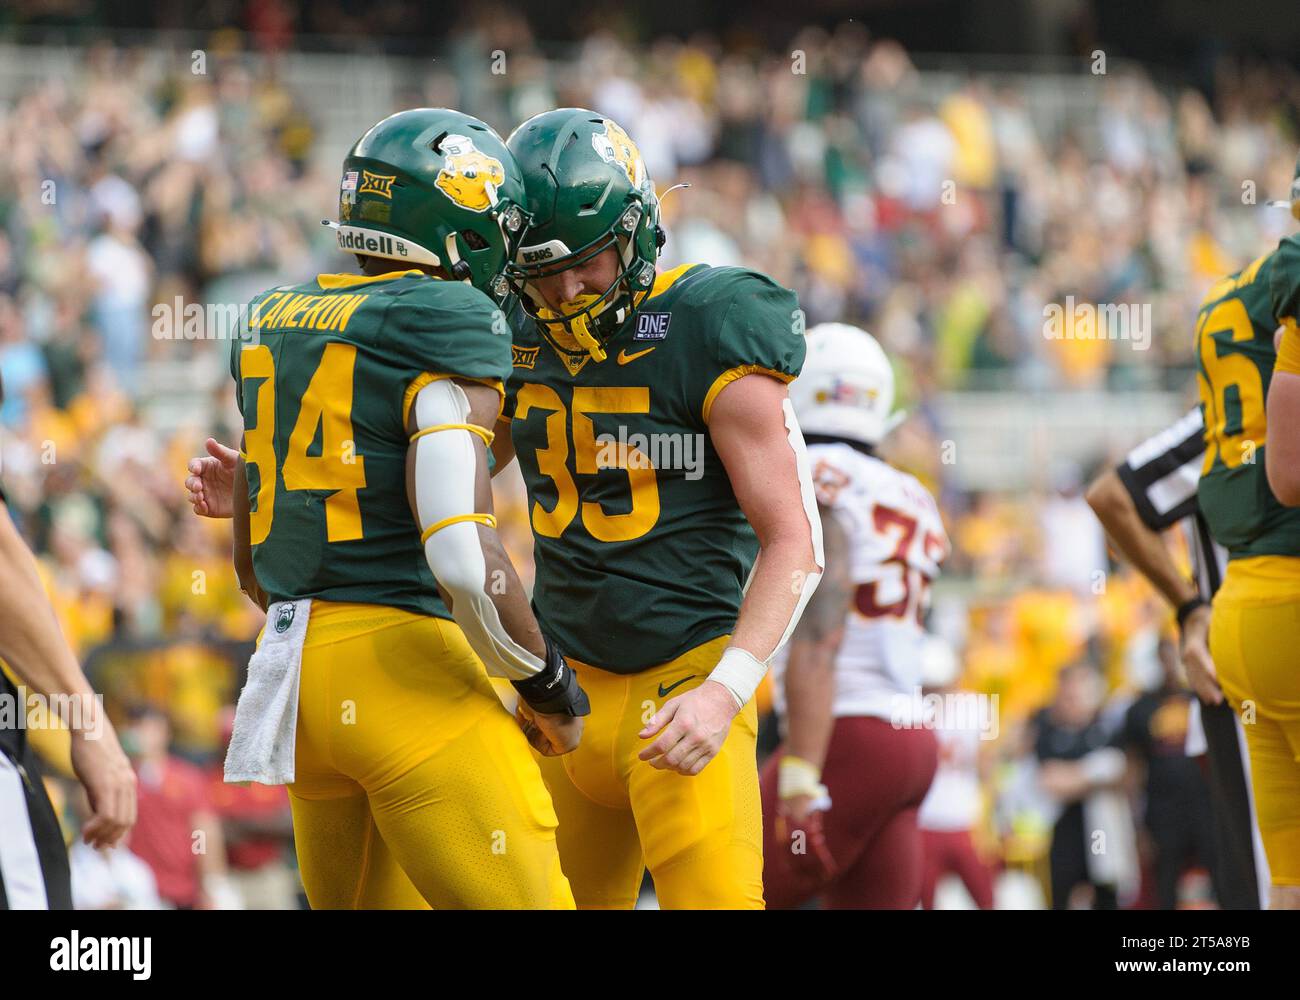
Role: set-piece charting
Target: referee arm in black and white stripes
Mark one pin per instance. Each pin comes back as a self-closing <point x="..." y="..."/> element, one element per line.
<point x="1152" y="489"/>
<point x="1140" y="545"/>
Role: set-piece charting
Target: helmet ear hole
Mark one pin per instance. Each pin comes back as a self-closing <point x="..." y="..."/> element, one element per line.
<point x="473" y="240"/>
<point x="660" y="237"/>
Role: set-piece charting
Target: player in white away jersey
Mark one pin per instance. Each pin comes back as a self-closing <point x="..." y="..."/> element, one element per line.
<point x="953" y="805"/>
<point x="841" y="794"/>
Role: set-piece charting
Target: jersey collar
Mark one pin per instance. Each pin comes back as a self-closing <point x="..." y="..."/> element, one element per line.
<point x="349" y="280"/>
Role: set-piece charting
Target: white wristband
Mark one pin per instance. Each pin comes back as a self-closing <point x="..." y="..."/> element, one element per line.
<point x="740" y="673"/>
<point x="796" y="776"/>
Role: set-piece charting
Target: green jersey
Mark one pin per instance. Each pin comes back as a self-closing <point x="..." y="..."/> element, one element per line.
<point x="324" y="386"/>
<point x="641" y="550"/>
<point x="1284" y="284"/>
<point x="1235" y="355"/>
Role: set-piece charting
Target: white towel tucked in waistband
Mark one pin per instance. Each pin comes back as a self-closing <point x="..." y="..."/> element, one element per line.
<point x="266" y="718"/>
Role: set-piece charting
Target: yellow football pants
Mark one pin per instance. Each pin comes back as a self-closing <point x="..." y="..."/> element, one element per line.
<point x="1254" y="636"/>
<point x="414" y="787"/>
<point x="700" y="836"/>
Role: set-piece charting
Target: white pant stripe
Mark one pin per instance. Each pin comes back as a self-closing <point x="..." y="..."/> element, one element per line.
<point x="20" y="864"/>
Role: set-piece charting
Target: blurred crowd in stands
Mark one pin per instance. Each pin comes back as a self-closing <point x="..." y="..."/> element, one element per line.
<point x="942" y="213"/>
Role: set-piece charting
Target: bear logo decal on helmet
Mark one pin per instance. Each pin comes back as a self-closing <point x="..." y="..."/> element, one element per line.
<point x="469" y="177"/>
<point x="617" y="147"/>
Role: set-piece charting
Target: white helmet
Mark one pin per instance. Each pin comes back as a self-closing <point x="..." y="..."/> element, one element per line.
<point x="846" y="388"/>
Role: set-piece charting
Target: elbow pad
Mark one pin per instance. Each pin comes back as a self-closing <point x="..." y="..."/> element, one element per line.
<point x="446" y="466"/>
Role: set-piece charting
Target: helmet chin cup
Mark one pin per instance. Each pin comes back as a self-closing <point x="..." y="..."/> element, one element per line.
<point x="581" y="330"/>
<point x="579" y="319"/>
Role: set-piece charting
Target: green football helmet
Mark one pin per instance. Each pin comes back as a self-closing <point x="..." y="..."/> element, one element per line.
<point x="432" y="186"/>
<point x="587" y="190"/>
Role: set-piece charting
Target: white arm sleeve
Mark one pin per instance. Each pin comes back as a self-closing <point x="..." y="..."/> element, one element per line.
<point x="445" y="467"/>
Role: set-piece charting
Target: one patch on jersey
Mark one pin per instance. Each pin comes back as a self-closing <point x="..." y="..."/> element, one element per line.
<point x="524" y="357"/>
<point x="652" y="325"/>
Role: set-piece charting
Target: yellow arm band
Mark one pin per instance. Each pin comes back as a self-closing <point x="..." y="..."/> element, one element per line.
<point x="1288" y="354"/>
<point x="482" y="432"/>
<point x="432" y="529"/>
<point x="729" y="376"/>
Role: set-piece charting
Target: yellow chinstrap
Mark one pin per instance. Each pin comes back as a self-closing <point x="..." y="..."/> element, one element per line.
<point x="576" y="334"/>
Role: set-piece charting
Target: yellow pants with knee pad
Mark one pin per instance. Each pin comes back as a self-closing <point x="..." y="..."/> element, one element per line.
<point x="700" y="836"/>
<point x="414" y="787"/>
<point x="1254" y="638"/>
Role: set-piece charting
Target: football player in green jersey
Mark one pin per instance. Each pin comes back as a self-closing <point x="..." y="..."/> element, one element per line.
<point x="368" y="403"/>
<point x="1277" y="684"/>
<point x="1284" y="395"/>
<point x="1253" y="626"/>
<point x="677" y="538"/>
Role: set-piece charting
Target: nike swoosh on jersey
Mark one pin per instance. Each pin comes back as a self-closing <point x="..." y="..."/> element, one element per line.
<point x="625" y="358"/>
